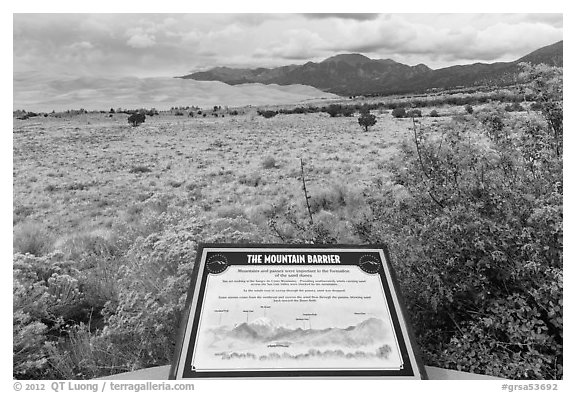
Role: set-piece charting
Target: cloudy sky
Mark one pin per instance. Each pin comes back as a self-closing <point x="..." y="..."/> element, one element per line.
<point x="150" y="45"/>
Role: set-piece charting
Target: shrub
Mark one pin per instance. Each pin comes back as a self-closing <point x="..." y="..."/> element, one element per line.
<point x="514" y="107"/>
<point x="174" y="183"/>
<point x="136" y="119"/>
<point x="140" y="169"/>
<point x="347" y="111"/>
<point x="46" y="296"/>
<point x="269" y="163"/>
<point x="232" y="211"/>
<point x="399" y="112"/>
<point x="536" y="106"/>
<point x="31" y="238"/>
<point x="366" y="120"/>
<point x="267" y="114"/>
<point x="480" y="245"/>
<point x="336" y="197"/>
<point x="469" y="109"/>
<point x="434" y="113"/>
<point x="83" y="354"/>
<point x="414" y="113"/>
<point x="252" y="180"/>
<point x="152" y="294"/>
<point x="333" y="110"/>
<point x="28" y="348"/>
<point x="546" y="85"/>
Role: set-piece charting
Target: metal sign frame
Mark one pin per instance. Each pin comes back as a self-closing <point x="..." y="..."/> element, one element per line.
<point x="216" y="259"/>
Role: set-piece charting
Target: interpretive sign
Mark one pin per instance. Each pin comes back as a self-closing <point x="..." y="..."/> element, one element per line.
<point x="294" y="311"/>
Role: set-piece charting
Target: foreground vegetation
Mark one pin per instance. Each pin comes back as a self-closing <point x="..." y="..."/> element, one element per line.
<point x="107" y="218"/>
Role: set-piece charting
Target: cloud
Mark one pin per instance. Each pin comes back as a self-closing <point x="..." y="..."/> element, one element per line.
<point x="141" y="40"/>
<point x="149" y="45"/>
<point x="83" y="45"/>
<point x="296" y="44"/>
<point x="443" y="40"/>
<point x="354" y="16"/>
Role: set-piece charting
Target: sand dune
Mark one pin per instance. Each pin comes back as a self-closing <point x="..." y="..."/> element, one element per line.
<point x="33" y="91"/>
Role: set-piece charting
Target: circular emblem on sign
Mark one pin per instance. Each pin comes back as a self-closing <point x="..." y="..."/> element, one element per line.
<point x="369" y="264"/>
<point x="217" y="263"/>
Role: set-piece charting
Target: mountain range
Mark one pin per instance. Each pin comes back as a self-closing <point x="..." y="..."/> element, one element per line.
<point x="264" y="331"/>
<point x="356" y="74"/>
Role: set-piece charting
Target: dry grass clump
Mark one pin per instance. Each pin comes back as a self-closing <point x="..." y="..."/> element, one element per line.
<point x="97" y="243"/>
<point x="140" y="169"/>
<point x="31" y="238"/>
<point x="269" y="163"/>
<point x="253" y="180"/>
<point x="334" y="198"/>
<point x="233" y="211"/>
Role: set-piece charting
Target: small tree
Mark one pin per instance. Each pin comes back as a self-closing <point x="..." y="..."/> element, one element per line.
<point x="366" y="120"/>
<point x="399" y="112"/>
<point x="136" y="119"/>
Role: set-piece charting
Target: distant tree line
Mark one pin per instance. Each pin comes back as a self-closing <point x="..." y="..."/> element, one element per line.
<point x="336" y="110"/>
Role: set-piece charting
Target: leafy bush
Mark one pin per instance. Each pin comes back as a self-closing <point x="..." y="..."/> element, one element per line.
<point x="478" y="239"/>
<point x="434" y="113"/>
<point x="366" y="120"/>
<point x="136" y="119"/>
<point x="29" y="352"/>
<point x="333" y="110"/>
<point x="399" y="113"/>
<point x="414" y="113"/>
<point x="267" y="114"/>
<point x="469" y="109"/>
<point x="546" y="88"/>
<point x="347" y="111"/>
<point x="46" y="296"/>
<point x="152" y="291"/>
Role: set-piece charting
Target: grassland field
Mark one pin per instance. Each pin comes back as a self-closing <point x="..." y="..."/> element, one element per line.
<point x="80" y="173"/>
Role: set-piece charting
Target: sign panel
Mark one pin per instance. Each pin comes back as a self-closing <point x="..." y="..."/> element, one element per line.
<point x="294" y="311"/>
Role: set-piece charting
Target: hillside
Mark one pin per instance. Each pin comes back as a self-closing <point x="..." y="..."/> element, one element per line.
<point x="355" y="74"/>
